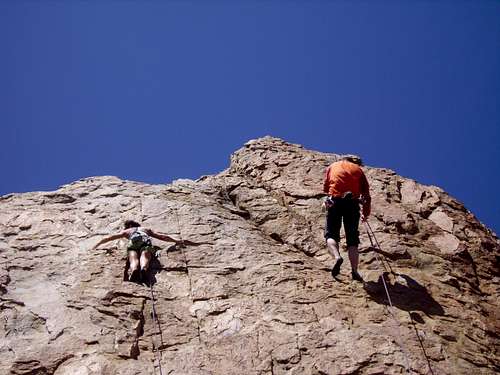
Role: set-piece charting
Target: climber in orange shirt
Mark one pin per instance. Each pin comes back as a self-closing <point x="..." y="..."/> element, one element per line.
<point x="347" y="187"/>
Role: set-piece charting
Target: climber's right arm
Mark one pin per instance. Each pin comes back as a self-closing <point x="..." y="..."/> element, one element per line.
<point x="162" y="237"/>
<point x="108" y="239"/>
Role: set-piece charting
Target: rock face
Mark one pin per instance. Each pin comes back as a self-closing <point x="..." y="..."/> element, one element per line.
<point x="254" y="294"/>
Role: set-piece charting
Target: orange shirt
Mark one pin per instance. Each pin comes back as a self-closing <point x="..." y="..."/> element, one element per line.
<point x="343" y="176"/>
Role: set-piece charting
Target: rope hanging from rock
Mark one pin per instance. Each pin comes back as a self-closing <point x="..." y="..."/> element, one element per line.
<point x="372" y="237"/>
<point x="155" y="318"/>
<point x="403" y="349"/>
<point x="156" y="349"/>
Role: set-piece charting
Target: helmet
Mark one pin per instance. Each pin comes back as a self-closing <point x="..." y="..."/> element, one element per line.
<point x="353" y="159"/>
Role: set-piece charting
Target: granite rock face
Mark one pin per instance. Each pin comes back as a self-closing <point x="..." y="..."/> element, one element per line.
<point x="254" y="294"/>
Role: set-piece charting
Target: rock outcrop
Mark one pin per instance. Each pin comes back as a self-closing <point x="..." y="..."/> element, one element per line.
<point x="254" y="295"/>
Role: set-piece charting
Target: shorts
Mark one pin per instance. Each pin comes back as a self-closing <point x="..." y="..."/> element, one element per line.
<point x="343" y="210"/>
<point x="140" y="250"/>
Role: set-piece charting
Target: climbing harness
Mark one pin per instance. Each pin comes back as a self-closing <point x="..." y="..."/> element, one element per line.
<point x="387" y="267"/>
<point x="138" y="239"/>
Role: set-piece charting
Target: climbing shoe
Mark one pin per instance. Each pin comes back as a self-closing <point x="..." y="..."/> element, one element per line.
<point x="144" y="276"/>
<point x="356" y="276"/>
<point x="135" y="276"/>
<point x="336" y="267"/>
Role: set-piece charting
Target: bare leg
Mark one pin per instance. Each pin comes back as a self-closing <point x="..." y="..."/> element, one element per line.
<point x="133" y="260"/>
<point x="333" y="248"/>
<point x="353" y="257"/>
<point x="145" y="259"/>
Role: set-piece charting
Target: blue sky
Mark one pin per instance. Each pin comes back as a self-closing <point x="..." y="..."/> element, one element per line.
<point x="158" y="90"/>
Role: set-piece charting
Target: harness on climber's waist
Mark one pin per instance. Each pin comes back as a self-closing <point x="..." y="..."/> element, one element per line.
<point x="139" y="240"/>
<point x="346" y="197"/>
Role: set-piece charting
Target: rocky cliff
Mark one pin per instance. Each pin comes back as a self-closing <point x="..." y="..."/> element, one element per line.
<point x="254" y="294"/>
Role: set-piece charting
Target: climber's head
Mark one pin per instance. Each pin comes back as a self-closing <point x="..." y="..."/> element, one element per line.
<point x="131" y="224"/>
<point x="353" y="159"/>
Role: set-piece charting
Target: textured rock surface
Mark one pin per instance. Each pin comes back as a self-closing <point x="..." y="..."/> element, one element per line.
<point x="255" y="295"/>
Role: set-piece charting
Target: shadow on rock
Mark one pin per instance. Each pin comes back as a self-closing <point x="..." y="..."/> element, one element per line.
<point x="396" y="254"/>
<point x="154" y="268"/>
<point x="408" y="295"/>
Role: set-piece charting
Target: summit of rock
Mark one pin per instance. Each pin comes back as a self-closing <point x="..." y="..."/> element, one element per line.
<point x="254" y="295"/>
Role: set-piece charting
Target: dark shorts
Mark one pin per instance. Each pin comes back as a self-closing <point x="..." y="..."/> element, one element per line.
<point x="140" y="250"/>
<point x="347" y="211"/>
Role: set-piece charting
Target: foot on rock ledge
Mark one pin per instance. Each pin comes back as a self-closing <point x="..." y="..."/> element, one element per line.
<point x="336" y="267"/>
<point x="356" y="276"/>
<point x="134" y="276"/>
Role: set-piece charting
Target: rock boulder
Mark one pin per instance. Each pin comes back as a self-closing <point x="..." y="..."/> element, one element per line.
<point x="253" y="294"/>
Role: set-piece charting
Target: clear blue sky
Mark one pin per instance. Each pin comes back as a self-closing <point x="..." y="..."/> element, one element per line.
<point x="157" y="90"/>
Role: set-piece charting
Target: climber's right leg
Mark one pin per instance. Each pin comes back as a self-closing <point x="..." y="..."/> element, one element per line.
<point x="133" y="259"/>
<point x="332" y="236"/>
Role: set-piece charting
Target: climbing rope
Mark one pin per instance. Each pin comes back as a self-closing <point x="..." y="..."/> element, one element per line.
<point x="180" y="235"/>
<point x="182" y="252"/>
<point x="374" y="241"/>
<point x="155" y="315"/>
<point x="369" y="230"/>
<point x="155" y="318"/>
<point x="403" y="348"/>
